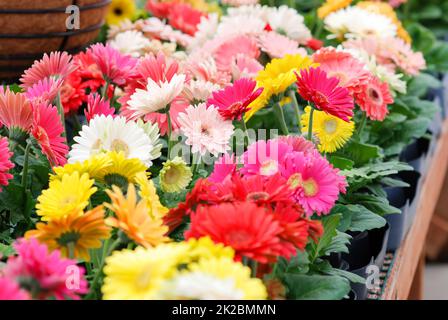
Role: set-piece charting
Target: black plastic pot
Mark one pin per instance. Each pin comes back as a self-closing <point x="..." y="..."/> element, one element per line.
<point x="396" y="196"/>
<point x="415" y="150"/>
<point x="412" y="178"/>
<point x="398" y="226"/>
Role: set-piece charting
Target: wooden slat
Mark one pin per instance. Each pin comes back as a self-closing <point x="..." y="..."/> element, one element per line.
<point x="408" y="255"/>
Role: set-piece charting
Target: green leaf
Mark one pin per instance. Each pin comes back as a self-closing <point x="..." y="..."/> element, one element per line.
<point x="375" y="204"/>
<point x="297" y="264"/>
<point x="339" y="243"/>
<point x="391" y="182"/>
<point x="325" y="267"/>
<point x="357" y="218"/>
<point x="316" y="287"/>
<point x="6" y="250"/>
<point x="341" y="162"/>
<point x="362" y="153"/>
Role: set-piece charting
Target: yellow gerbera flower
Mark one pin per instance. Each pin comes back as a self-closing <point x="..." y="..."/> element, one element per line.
<point x="134" y="219"/>
<point x="95" y="167"/>
<point x="139" y="274"/>
<point x="175" y="175"/>
<point x="64" y="196"/>
<point x="331" y="131"/>
<point x="204" y="248"/>
<point x="387" y="10"/>
<point x="73" y="234"/>
<point x="120" y="10"/>
<point x="148" y="193"/>
<point x="331" y="6"/>
<point x="121" y="170"/>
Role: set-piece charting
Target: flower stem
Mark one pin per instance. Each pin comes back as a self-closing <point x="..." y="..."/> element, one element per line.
<point x="104" y="89"/>
<point x="246" y="134"/>
<point x="281" y="118"/>
<point x="61" y="112"/>
<point x="310" y="125"/>
<point x="25" y="165"/>
<point x="362" y="124"/>
<point x="295" y="104"/>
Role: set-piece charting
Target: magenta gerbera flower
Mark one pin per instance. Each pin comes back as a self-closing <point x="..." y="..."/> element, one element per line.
<point x="45" y="274"/>
<point x="233" y="101"/>
<point x="56" y="65"/>
<point x="5" y="162"/>
<point x="224" y="167"/>
<point x="9" y="290"/>
<point x="116" y="67"/>
<point x="97" y="106"/>
<point x="315" y="182"/>
<point x="325" y="93"/>
<point x="44" y="91"/>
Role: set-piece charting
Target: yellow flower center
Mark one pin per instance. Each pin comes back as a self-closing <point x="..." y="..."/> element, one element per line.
<point x="330" y="126"/>
<point x="119" y="145"/>
<point x="97" y="146"/>
<point x="269" y="167"/>
<point x="295" y="180"/>
<point x="310" y="187"/>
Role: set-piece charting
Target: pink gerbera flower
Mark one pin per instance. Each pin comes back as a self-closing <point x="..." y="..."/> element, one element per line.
<point x="233" y="101"/>
<point x="185" y="18"/>
<point x="325" y="93"/>
<point x="97" y="106"/>
<point x="10" y="290"/>
<point x="264" y="157"/>
<point x="47" y="129"/>
<point x="224" y="167"/>
<point x="277" y="45"/>
<point x="298" y="143"/>
<point x="405" y="58"/>
<point x="5" y="162"/>
<point x="315" y="182"/>
<point x="45" y="274"/>
<point x="245" y="67"/>
<point x="44" y="90"/>
<point x="226" y="52"/>
<point x="342" y="65"/>
<point x="373" y="98"/>
<point x="15" y="111"/>
<point x="115" y="67"/>
<point x="205" y="69"/>
<point x="58" y="65"/>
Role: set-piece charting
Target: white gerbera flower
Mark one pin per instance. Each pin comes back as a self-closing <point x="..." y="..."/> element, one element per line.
<point x="232" y="25"/>
<point x="104" y="134"/>
<point x="256" y="10"/>
<point x="201" y="286"/>
<point x="153" y="132"/>
<point x="130" y="42"/>
<point x="287" y="21"/>
<point x="206" y="30"/>
<point x="205" y="129"/>
<point x="156" y="96"/>
<point x="200" y="90"/>
<point x="353" y="22"/>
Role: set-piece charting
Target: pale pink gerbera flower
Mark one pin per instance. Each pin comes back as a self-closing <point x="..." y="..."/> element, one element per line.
<point x="264" y="157"/>
<point x="10" y="290"/>
<point x="155" y="28"/>
<point x="204" y="68"/>
<point x="97" y="106"/>
<point x="277" y="45"/>
<point x="315" y="182"/>
<point x="114" y="66"/>
<point x="233" y="101"/>
<point x="44" y="90"/>
<point x="45" y="274"/>
<point x="245" y="67"/>
<point x="199" y="90"/>
<point x="373" y="98"/>
<point x="205" y="129"/>
<point x="15" y="112"/>
<point x="223" y="168"/>
<point x="57" y="64"/>
<point x="350" y="71"/>
<point x="5" y="162"/>
<point x="231" y="47"/>
<point x="404" y="57"/>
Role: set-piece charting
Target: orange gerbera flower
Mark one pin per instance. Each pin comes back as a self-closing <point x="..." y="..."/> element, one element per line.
<point x="134" y="218"/>
<point x="73" y="234"/>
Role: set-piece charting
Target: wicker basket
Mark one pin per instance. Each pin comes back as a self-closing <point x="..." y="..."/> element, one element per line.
<point x="28" y="29"/>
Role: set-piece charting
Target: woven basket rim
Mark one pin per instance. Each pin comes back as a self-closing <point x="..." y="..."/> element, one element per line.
<point x="96" y="5"/>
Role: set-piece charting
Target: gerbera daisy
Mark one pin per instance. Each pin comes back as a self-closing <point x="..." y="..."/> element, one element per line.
<point x="205" y="129"/>
<point x="277" y="45"/>
<point x="97" y="106"/>
<point x="131" y="42"/>
<point x="175" y="175"/>
<point x="56" y="65"/>
<point x="120" y="10"/>
<point x="224" y="167"/>
<point x="325" y="93"/>
<point x="264" y="157"/>
<point x="331" y="6"/>
<point x="245" y="67"/>
<point x="331" y="132"/>
<point x="48" y="130"/>
<point x="157" y="96"/>
<point x="16" y="113"/>
<point x="288" y="21"/>
<point x="233" y="101"/>
<point x="373" y="98"/>
<point x="10" y="290"/>
<point x="114" y="66"/>
<point x="95" y="167"/>
<point x="70" y="193"/>
<point x="147" y="191"/>
<point x="226" y="52"/>
<point x="159" y="9"/>
<point x="44" y="90"/>
<point x="185" y="18"/>
<point x="106" y="133"/>
<point x="133" y="218"/>
<point x="152" y="131"/>
<point x="197" y="91"/>
<point x="73" y="234"/>
<point x="298" y="143"/>
<point x="214" y="279"/>
<point x="314" y="181"/>
<point x="5" y="162"/>
<point x="250" y="230"/>
<point x="42" y="273"/>
<point x="122" y="170"/>
<point x="72" y="93"/>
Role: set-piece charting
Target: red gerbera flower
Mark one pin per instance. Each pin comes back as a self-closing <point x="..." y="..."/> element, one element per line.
<point x="373" y="98"/>
<point x="185" y="18"/>
<point x="233" y="101"/>
<point x="47" y="130"/>
<point x="160" y="9"/>
<point x="72" y="93"/>
<point x="316" y="87"/>
<point x="250" y="230"/>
